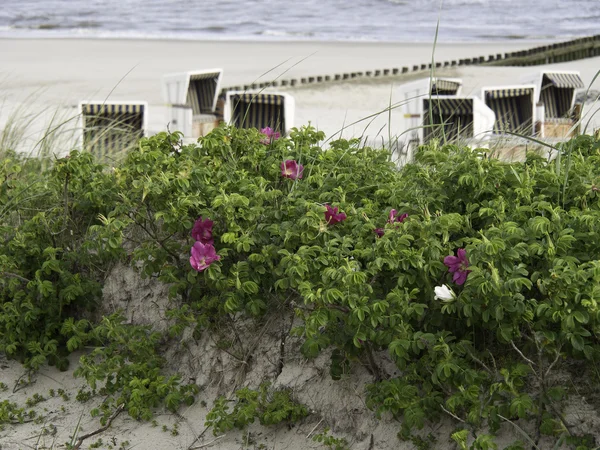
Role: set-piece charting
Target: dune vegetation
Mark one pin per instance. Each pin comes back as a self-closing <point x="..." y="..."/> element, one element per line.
<point x="478" y="279"/>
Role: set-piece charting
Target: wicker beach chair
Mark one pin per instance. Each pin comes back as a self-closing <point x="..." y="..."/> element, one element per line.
<point x="451" y="118"/>
<point x="260" y="110"/>
<point x="557" y="93"/>
<point x="514" y="108"/>
<point x="192" y="100"/>
<point x="111" y="128"/>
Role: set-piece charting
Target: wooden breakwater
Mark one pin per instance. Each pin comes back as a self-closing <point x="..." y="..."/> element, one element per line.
<point x="581" y="48"/>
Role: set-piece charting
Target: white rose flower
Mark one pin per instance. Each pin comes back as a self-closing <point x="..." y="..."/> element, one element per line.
<point x="444" y="293"/>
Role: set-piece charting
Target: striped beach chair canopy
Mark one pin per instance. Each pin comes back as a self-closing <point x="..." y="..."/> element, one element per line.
<point x="450" y="118"/>
<point x="449" y="106"/>
<point x="202" y="91"/>
<point x="564" y="80"/>
<point x="103" y="109"/>
<point x="259" y="110"/>
<point x="508" y="93"/>
<point x="442" y="86"/>
<point x="195" y="89"/>
<point x="513" y="107"/>
<point x="112" y="128"/>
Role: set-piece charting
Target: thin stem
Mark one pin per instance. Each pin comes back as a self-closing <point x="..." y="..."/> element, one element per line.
<point x="208" y="443"/>
<point x="315" y="427"/>
<point x="14" y="275"/>
<point x="520" y="430"/>
<point x="530" y="362"/>
<point x="100" y="430"/>
<point x="453" y="415"/>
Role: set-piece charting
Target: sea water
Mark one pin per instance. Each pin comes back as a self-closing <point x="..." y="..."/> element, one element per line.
<point x="329" y="20"/>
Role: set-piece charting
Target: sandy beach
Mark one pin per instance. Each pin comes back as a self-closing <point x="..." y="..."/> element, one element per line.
<point x="54" y="75"/>
<point x="71" y="70"/>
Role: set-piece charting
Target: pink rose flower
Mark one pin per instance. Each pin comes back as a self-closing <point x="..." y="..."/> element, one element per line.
<point x="202" y="230"/>
<point x="270" y="135"/>
<point x="291" y="169"/>
<point x="203" y="255"/>
<point x="458" y="266"/>
<point x="332" y="216"/>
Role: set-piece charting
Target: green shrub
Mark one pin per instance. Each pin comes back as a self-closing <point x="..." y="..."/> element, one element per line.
<point x="50" y="270"/>
<point x="331" y="442"/>
<point x="269" y="406"/>
<point x="126" y="365"/>
<point x="367" y="281"/>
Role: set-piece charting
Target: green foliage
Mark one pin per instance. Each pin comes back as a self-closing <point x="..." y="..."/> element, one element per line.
<point x="269" y="406"/>
<point x="531" y="232"/>
<point x="481" y="442"/>
<point x="97" y="444"/>
<point x="11" y="413"/>
<point x="32" y="401"/>
<point x="331" y="442"/>
<point x="63" y="394"/>
<point x="127" y="365"/>
<point x="421" y="443"/>
<point x="83" y="395"/>
<point x="48" y="266"/>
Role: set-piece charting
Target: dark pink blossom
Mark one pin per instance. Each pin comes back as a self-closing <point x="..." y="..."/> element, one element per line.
<point x="270" y="135"/>
<point x="379" y="232"/>
<point x="458" y="266"/>
<point x="332" y="216"/>
<point x="203" y="255"/>
<point x="202" y="230"/>
<point x="291" y="169"/>
<point x="395" y="218"/>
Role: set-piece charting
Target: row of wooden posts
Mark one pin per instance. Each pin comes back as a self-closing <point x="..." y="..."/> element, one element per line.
<point x="576" y="49"/>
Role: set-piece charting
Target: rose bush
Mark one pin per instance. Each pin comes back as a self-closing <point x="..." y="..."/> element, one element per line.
<point x="523" y="277"/>
<point x="516" y="244"/>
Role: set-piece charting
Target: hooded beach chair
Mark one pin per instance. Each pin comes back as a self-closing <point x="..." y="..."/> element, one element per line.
<point x="514" y="107"/>
<point x="456" y="118"/>
<point x="556" y="92"/>
<point x="192" y="100"/>
<point x="260" y="110"/>
<point x="110" y="128"/>
<point x="411" y="96"/>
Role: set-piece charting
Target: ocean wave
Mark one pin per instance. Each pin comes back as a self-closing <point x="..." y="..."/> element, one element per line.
<point x="30" y="18"/>
<point x="191" y="29"/>
<point x="595" y="18"/>
<point x="59" y="26"/>
<point x="284" y="33"/>
<point x="438" y="3"/>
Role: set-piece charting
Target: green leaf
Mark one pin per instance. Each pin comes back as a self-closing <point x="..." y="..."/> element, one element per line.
<point x="581" y="316"/>
<point x="229" y="238"/>
<point x="577" y="342"/>
<point x="250" y="287"/>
